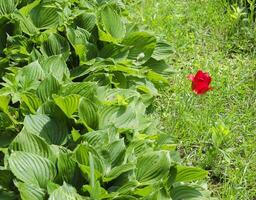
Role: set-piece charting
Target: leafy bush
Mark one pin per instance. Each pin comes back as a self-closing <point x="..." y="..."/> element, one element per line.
<point x="77" y="81"/>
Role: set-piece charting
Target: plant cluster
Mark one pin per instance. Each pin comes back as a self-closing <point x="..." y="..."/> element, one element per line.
<point x="77" y="81"/>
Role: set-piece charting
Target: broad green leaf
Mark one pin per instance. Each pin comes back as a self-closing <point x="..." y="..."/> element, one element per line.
<point x="159" y="167"/>
<point x="65" y="192"/>
<point x="145" y="191"/>
<point x="79" y="40"/>
<point x="100" y="138"/>
<point x="33" y="71"/>
<point x="186" y="174"/>
<point x="47" y="88"/>
<point x="142" y="45"/>
<point x="81" y="155"/>
<point x="55" y="44"/>
<point x="53" y="131"/>
<point x="156" y="78"/>
<point x="112" y="22"/>
<point x="84" y="89"/>
<point x="75" y="135"/>
<point x="114" y="51"/>
<point x="127" y="117"/>
<point x="26" y="25"/>
<point x="86" y="21"/>
<point x="186" y="193"/>
<point x="117" y="171"/>
<point x="55" y="66"/>
<point x="97" y="192"/>
<point x="68" y="104"/>
<point x="162" y="51"/>
<point x="51" y="187"/>
<point x="31" y="143"/>
<point x="30" y="192"/>
<point x="7" y="7"/>
<point x="116" y="152"/>
<point x="45" y="17"/>
<point x="27" y="8"/>
<point x="38" y="170"/>
<point x="127" y="187"/>
<point x="88" y="113"/>
<point x="160" y="66"/>
<point x="50" y="109"/>
<point x="32" y="101"/>
<point x="4" y="102"/>
<point x="66" y="167"/>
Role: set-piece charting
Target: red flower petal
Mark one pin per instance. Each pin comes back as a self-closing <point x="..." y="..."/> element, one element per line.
<point x="200" y="82"/>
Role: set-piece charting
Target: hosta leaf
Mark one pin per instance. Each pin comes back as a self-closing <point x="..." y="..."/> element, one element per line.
<point x="100" y="138"/>
<point x="141" y="45"/>
<point x="185" y="174"/>
<point x="79" y="38"/>
<point x="156" y="78"/>
<point x="53" y="131"/>
<point x="50" y="109"/>
<point x="84" y="89"/>
<point x="38" y="170"/>
<point x="127" y="117"/>
<point x="160" y="66"/>
<point x="55" y="45"/>
<point x="65" y="192"/>
<point x="145" y="191"/>
<point x="25" y="10"/>
<point x="108" y="115"/>
<point x="44" y="17"/>
<point x="47" y="88"/>
<point x="114" y="51"/>
<point x="66" y="167"/>
<point x="51" y="187"/>
<point x="117" y="171"/>
<point x="30" y="192"/>
<point x="68" y="104"/>
<point x="56" y="66"/>
<point x="32" y="101"/>
<point x="162" y="51"/>
<point x="31" y="143"/>
<point x="4" y="102"/>
<point x="33" y="71"/>
<point x="7" y="7"/>
<point x="97" y="192"/>
<point x="185" y="192"/>
<point x="112" y="22"/>
<point x="86" y="21"/>
<point x="26" y="25"/>
<point x="88" y="113"/>
<point x="82" y="157"/>
<point x="159" y="167"/>
<point x="116" y="152"/>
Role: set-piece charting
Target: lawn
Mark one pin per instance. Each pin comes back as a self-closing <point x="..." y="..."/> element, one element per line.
<point x="215" y="131"/>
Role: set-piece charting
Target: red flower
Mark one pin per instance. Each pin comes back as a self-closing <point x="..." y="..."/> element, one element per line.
<point x="200" y="82"/>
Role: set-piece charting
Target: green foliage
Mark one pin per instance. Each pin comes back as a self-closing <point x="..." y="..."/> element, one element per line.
<point x="78" y="80"/>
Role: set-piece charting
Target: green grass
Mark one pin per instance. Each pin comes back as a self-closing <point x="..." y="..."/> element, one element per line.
<point x="200" y="36"/>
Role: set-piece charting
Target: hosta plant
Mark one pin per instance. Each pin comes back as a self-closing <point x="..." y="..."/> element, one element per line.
<point x="77" y="81"/>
